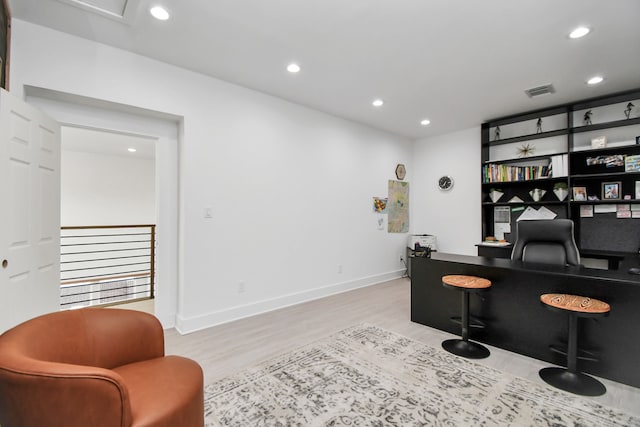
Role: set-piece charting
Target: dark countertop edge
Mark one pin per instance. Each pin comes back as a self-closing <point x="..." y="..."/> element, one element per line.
<point x="586" y="253"/>
<point x="613" y="275"/>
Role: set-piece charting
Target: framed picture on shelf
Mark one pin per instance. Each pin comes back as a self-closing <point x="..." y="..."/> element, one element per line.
<point x="599" y="142"/>
<point x="611" y="190"/>
<point x="638" y="190"/>
<point x="632" y="163"/>
<point x="579" y="194"/>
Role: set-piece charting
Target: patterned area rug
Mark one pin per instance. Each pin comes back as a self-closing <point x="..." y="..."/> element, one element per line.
<point x="366" y="376"/>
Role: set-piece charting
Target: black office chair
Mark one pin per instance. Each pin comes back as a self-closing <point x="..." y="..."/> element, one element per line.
<point x="546" y="242"/>
<point x="552" y="242"/>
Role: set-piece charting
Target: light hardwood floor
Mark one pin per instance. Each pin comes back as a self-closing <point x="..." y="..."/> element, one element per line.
<point x="147" y="305"/>
<point x="226" y="349"/>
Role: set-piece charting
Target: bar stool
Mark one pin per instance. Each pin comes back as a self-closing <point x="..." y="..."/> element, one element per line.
<point x="570" y="379"/>
<point x="463" y="347"/>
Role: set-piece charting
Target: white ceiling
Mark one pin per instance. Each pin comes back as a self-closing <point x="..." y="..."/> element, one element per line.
<point x="106" y="142"/>
<point x="456" y="62"/>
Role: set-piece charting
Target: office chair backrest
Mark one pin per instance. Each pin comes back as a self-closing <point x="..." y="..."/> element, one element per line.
<point x="546" y="242"/>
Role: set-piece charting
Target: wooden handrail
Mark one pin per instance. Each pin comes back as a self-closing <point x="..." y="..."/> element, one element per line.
<point x="82" y="227"/>
<point x="104" y="279"/>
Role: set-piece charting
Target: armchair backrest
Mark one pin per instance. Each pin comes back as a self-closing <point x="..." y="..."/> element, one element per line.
<point x="546" y="242"/>
<point x="105" y="338"/>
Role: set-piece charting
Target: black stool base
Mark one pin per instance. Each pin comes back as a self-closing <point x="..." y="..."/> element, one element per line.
<point x="573" y="382"/>
<point x="468" y="349"/>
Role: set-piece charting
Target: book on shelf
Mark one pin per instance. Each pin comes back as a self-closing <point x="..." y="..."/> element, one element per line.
<point x="560" y="165"/>
<point x="505" y="173"/>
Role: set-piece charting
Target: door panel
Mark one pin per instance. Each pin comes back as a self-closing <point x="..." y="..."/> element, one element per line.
<point x="30" y="214"/>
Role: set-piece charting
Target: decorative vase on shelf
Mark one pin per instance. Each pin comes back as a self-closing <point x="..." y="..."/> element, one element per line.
<point x="537" y="194"/>
<point x="561" y="193"/>
<point x="495" y="195"/>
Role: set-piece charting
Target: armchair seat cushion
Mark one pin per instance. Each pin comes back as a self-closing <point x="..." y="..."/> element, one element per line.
<point x="164" y="392"/>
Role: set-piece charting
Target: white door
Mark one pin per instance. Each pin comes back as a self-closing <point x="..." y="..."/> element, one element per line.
<point x="29" y="212"/>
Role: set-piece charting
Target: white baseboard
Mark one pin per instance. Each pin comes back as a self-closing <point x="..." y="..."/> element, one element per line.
<point x="168" y="321"/>
<point x="185" y="325"/>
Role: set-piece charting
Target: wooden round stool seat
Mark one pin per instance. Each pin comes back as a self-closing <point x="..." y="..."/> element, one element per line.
<point x="467" y="282"/>
<point x="463" y="347"/>
<point x="570" y="379"/>
<point x="583" y="306"/>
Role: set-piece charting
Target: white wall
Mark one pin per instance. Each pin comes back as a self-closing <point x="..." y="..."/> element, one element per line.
<point x="453" y="216"/>
<point x="290" y="187"/>
<point x="99" y="189"/>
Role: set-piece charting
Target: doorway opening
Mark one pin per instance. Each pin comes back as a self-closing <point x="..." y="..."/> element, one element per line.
<point x="75" y="111"/>
<point x="108" y="218"/>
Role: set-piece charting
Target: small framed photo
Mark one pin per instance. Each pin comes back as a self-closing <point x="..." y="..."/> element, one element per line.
<point x="599" y="142"/>
<point x="611" y="190"/>
<point x="579" y="194"/>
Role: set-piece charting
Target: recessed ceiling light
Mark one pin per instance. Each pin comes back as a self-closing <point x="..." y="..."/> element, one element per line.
<point x="293" y="68"/>
<point x="425" y="122"/>
<point x="595" y="80"/>
<point x="579" y="32"/>
<point x="377" y="103"/>
<point x="159" y="12"/>
<point x="131" y="150"/>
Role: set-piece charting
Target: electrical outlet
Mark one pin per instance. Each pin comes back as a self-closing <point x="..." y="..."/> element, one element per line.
<point x="241" y="286"/>
<point x="401" y="256"/>
<point x="339" y="268"/>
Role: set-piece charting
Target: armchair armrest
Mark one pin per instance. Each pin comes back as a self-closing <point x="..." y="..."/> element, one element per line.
<point x="39" y="393"/>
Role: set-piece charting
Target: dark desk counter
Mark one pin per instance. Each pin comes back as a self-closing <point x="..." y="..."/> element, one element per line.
<point x="516" y="319"/>
<point x="615" y="260"/>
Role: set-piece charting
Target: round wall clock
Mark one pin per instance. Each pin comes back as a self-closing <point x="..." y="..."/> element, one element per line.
<point x="401" y="171"/>
<point x="445" y="183"/>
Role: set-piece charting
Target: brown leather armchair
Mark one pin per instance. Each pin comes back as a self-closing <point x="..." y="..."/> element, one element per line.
<point x="96" y="367"/>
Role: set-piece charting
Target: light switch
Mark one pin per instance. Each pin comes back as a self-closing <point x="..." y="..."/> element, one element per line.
<point x="208" y="213"/>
